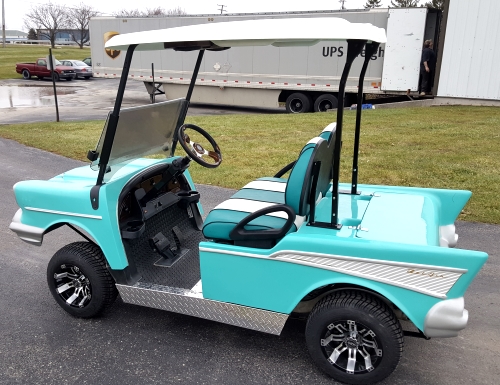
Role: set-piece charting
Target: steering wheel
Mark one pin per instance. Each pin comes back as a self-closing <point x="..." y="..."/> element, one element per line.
<point x="195" y="150"/>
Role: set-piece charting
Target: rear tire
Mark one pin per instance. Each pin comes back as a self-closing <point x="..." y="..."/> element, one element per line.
<point x="298" y="103"/>
<point x="354" y="337"/>
<point x="79" y="280"/>
<point x="26" y="75"/>
<point x="325" y="102"/>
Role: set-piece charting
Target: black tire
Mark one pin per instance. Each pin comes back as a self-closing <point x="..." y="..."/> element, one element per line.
<point x="69" y="79"/>
<point x="26" y="74"/>
<point x="378" y="335"/>
<point x="55" y="76"/>
<point x="40" y="78"/>
<point x="86" y="273"/>
<point x="298" y="103"/>
<point x="325" y="102"/>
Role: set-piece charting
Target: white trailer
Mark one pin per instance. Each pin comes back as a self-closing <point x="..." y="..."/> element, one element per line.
<point x="304" y="78"/>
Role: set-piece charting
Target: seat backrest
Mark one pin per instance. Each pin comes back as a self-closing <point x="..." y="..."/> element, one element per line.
<point x="299" y="183"/>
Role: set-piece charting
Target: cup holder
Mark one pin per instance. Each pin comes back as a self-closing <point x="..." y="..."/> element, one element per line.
<point x="133" y="229"/>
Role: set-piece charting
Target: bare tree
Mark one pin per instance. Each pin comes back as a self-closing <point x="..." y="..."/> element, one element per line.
<point x="128" y="13"/>
<point x="373" y="4"/>
<point x="438" y="4"/>
<point x="48" y="19"/>
<point x="158" y="11"/>
<point x="404" y="3"/>
<point x="176" y="11"/>
<point x="78" y="19"/>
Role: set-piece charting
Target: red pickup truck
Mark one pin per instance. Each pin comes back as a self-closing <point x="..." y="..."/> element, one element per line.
<point x="39" y="69"/>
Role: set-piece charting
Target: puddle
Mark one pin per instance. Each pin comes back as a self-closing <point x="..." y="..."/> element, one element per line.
<point x="13" y="96"/>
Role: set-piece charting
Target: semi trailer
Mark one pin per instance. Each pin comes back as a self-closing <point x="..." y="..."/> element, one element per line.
<point x="304" y="79"/>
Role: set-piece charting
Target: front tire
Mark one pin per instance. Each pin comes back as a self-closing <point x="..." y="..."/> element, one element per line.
<point x="55" y="76"/>
<point x="79" y="280"/>
<point x="354" y="337"/>
<point x="26" y="75"/>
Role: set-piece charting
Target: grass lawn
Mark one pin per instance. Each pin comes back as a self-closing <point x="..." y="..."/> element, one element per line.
<point x="26" y="53"/>
<point x="441" y="147"/>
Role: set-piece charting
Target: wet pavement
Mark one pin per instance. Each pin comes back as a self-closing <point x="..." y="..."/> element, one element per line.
<point x="27" y="101"/>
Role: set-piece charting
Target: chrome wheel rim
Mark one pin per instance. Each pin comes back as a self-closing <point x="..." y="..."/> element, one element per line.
<point x="72" y="286"/>
<point x="351" y="347"/>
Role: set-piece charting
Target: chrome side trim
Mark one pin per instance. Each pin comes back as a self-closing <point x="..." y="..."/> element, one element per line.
<point x="63" y="213"/>
<point x="431" y="280"/>
<point x="446" y="318"/>
<point x="30" y="234"/>
<point x="191" y="302"/>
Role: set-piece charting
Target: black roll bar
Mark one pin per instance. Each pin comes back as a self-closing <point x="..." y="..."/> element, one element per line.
<point x="354" y="48"/>
<point x="111" y="129"/>
<point x="370" y="49"/>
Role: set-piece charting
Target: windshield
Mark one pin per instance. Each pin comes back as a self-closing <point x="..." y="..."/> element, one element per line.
<point x="57" y="62"/>
<point x="142" y="131"/>
<point x="79" y="63"/>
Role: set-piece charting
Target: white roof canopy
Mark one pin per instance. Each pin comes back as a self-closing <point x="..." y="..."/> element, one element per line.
<point x="276" y="32"/>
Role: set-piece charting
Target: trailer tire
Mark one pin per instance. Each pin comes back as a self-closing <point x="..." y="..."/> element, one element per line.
<point x="354" y="337"/>
<point x="79" y="280"/>
<point x="325" y="102"/>
<point x="26" y="75"/>
<point x="298" y="103"/>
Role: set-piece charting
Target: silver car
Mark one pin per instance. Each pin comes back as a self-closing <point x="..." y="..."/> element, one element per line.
<point x="82" y="70"/>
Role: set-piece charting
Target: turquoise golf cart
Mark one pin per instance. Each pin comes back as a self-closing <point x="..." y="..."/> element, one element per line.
<point x="352" y="259"/>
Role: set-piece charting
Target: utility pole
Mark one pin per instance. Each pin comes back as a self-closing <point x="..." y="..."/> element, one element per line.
<point x="221" y="9"/>
<point x="342" y="3"/>
<point x="3" y="24"/>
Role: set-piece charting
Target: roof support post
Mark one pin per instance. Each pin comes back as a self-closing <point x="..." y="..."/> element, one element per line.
<point x="354" y="48"/>
<point x="111" y="129"/>
<point x="370" y="49"/>
<point x="195" y="74"/>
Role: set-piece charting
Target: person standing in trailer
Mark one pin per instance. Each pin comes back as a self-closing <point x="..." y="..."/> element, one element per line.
<point x="427" y="68"/>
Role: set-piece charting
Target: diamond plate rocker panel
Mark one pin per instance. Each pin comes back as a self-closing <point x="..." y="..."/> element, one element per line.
<point x="191" y="303"/>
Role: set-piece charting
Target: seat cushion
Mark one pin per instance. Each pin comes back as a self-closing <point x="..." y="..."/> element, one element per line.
<point x="224" y="218"/>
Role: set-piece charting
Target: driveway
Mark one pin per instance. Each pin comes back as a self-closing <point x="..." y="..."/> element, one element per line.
<point x="25" y="101"/>
<point x="40" y="343"/>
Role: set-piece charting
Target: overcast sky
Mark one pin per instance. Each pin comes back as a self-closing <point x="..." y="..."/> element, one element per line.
<point x="15" y="10"/>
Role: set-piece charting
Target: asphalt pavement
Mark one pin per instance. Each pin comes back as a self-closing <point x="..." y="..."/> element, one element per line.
<point x="40" y="343"/>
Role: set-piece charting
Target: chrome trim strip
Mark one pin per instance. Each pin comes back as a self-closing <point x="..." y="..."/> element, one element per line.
<point x="191" y="302"/>
<point x="435" y="281"/>
<point x="64" y="213"/>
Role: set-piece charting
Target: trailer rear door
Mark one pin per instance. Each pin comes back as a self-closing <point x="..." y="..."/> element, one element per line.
<point x="405" y="40"/>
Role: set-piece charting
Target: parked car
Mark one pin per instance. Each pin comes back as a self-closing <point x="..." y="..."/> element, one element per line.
<point x="82" y="70"/>
<point x="352" y="259"/>
<point x="88" y="61"/>
<point x="39" y="69"/>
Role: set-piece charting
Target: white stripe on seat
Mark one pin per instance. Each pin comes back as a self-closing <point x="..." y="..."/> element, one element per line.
<point x="314" y="140"/>
<point x="250" y="206"/>
<point x="330" y="127"/>
<point x="266" y="185"/>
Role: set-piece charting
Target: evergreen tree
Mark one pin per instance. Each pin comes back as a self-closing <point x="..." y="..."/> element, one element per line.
<point x="404" y="3"/>
<point x="373" y="4"/>
<point x="437" y="4"/>
<point x="32" y="34"/>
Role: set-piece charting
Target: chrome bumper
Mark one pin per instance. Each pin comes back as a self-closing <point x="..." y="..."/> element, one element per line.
<point x="446" y="318"/>
<point x="30" y="234"/>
